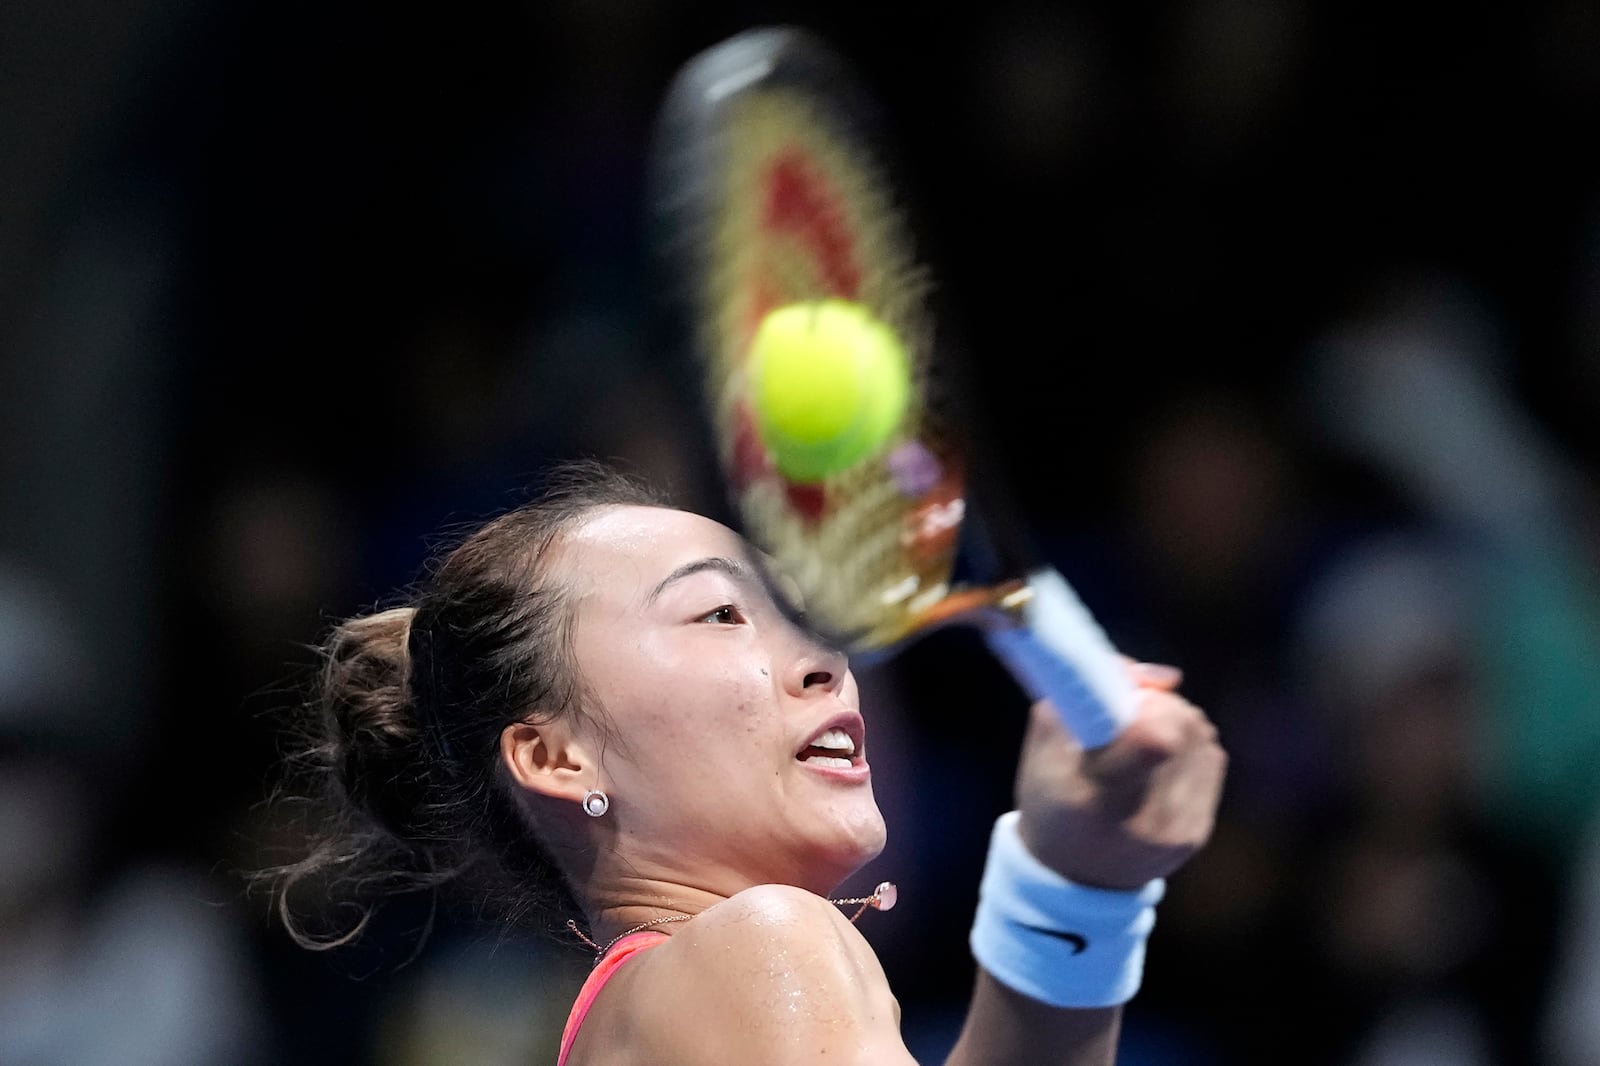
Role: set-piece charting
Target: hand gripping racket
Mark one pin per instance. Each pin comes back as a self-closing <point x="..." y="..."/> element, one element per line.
<point x="770" y="188"/>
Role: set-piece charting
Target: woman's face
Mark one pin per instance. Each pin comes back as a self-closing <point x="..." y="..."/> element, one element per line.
<point x="724" y="709"/>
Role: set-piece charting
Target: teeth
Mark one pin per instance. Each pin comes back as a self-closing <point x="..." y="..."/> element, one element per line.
<point x="829" y="760"/>
<point x="836" y="739"/>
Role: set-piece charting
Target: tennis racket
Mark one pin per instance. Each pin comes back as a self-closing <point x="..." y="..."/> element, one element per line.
<point x="770" y="186"/>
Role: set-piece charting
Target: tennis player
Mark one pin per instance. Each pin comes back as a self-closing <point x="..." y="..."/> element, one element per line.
<point x="597" y="699"/>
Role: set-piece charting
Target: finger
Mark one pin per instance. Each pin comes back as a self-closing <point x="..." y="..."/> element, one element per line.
<point x="1190" y="793"/>
<point x="1046" y="727"/>
<point x="1155" y="675"/>
<point x="1165" y="726"/>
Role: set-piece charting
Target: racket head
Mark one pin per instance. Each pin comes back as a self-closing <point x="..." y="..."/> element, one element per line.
<point x="771" y="185"/>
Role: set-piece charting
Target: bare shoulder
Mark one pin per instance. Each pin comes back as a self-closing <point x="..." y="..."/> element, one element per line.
<point x="776" y="935"/>
<point x="774" y="915"/>
<point x="773" y="974"/>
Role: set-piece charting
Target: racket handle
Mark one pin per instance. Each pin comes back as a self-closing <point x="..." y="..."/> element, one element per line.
<point x="1060" y="653"/>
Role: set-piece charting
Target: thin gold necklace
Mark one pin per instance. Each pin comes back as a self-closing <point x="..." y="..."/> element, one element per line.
<point x="883" y="898"/>
<point x="600" y="952"/>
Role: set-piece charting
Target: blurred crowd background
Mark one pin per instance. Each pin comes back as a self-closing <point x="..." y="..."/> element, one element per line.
<point x="1288" y="314"/>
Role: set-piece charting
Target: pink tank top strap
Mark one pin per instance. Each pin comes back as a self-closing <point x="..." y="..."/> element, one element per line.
<point x="620" y="952"/>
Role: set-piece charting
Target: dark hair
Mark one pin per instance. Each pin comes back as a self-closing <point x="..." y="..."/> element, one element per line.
<point x="398" y="784"/>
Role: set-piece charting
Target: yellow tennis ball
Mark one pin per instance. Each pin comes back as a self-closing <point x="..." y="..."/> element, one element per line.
<point x="829" y="386"/>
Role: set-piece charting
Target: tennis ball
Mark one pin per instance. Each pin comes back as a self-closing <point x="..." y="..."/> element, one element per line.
<point x="829" y="386"/>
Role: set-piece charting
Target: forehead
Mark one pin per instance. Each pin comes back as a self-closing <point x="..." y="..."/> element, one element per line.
<point x="626" y="550"/>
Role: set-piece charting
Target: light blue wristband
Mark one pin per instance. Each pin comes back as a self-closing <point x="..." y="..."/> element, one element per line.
<point x="1061" y="943"/>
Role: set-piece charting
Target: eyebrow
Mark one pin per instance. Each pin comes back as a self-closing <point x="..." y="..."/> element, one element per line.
<point x="732" y="567"/>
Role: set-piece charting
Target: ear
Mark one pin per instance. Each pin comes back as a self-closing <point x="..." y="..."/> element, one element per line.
<point x="548" y="760"/>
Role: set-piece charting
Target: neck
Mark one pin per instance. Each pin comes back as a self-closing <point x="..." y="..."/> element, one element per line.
<point x="622" y="905"/>
<point x="618" y="896"/>
<point x="621" y="881"/>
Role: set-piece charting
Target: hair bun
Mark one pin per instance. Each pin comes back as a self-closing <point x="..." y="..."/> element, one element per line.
<point x="367" y="703"/>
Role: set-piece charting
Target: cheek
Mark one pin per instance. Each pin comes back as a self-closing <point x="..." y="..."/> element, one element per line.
<point x="670" y="702"/>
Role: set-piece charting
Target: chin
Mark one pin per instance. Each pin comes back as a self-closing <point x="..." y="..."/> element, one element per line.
<point x="876" y="838"/>
<point x="857" y="840"/>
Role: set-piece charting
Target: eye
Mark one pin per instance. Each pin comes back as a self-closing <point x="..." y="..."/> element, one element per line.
<point x="726" y="615"/>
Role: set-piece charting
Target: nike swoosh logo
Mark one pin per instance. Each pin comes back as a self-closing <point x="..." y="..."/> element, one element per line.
<point x="1079" y="942"/>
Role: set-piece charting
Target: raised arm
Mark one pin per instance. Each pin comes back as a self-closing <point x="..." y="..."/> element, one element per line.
<point x="1074" y="874"/>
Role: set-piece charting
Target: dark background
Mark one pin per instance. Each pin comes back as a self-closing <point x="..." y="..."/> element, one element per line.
<point x="1289" y="324"/>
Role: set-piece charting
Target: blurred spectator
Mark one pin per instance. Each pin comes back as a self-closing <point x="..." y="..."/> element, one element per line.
<point x="1418" y="384"/>
<point x="1431" y="927"/>
<point x="1572" y="1022"/>
<point x="105" y="957"/>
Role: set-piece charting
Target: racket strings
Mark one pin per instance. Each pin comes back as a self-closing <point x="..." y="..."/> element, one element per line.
<point x="804" y="211"/>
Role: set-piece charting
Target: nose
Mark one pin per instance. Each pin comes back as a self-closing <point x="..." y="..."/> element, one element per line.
<point x="819" y="668"/>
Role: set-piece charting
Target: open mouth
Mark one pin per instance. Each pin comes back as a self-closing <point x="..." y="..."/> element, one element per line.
<point x="832" y="748"/>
